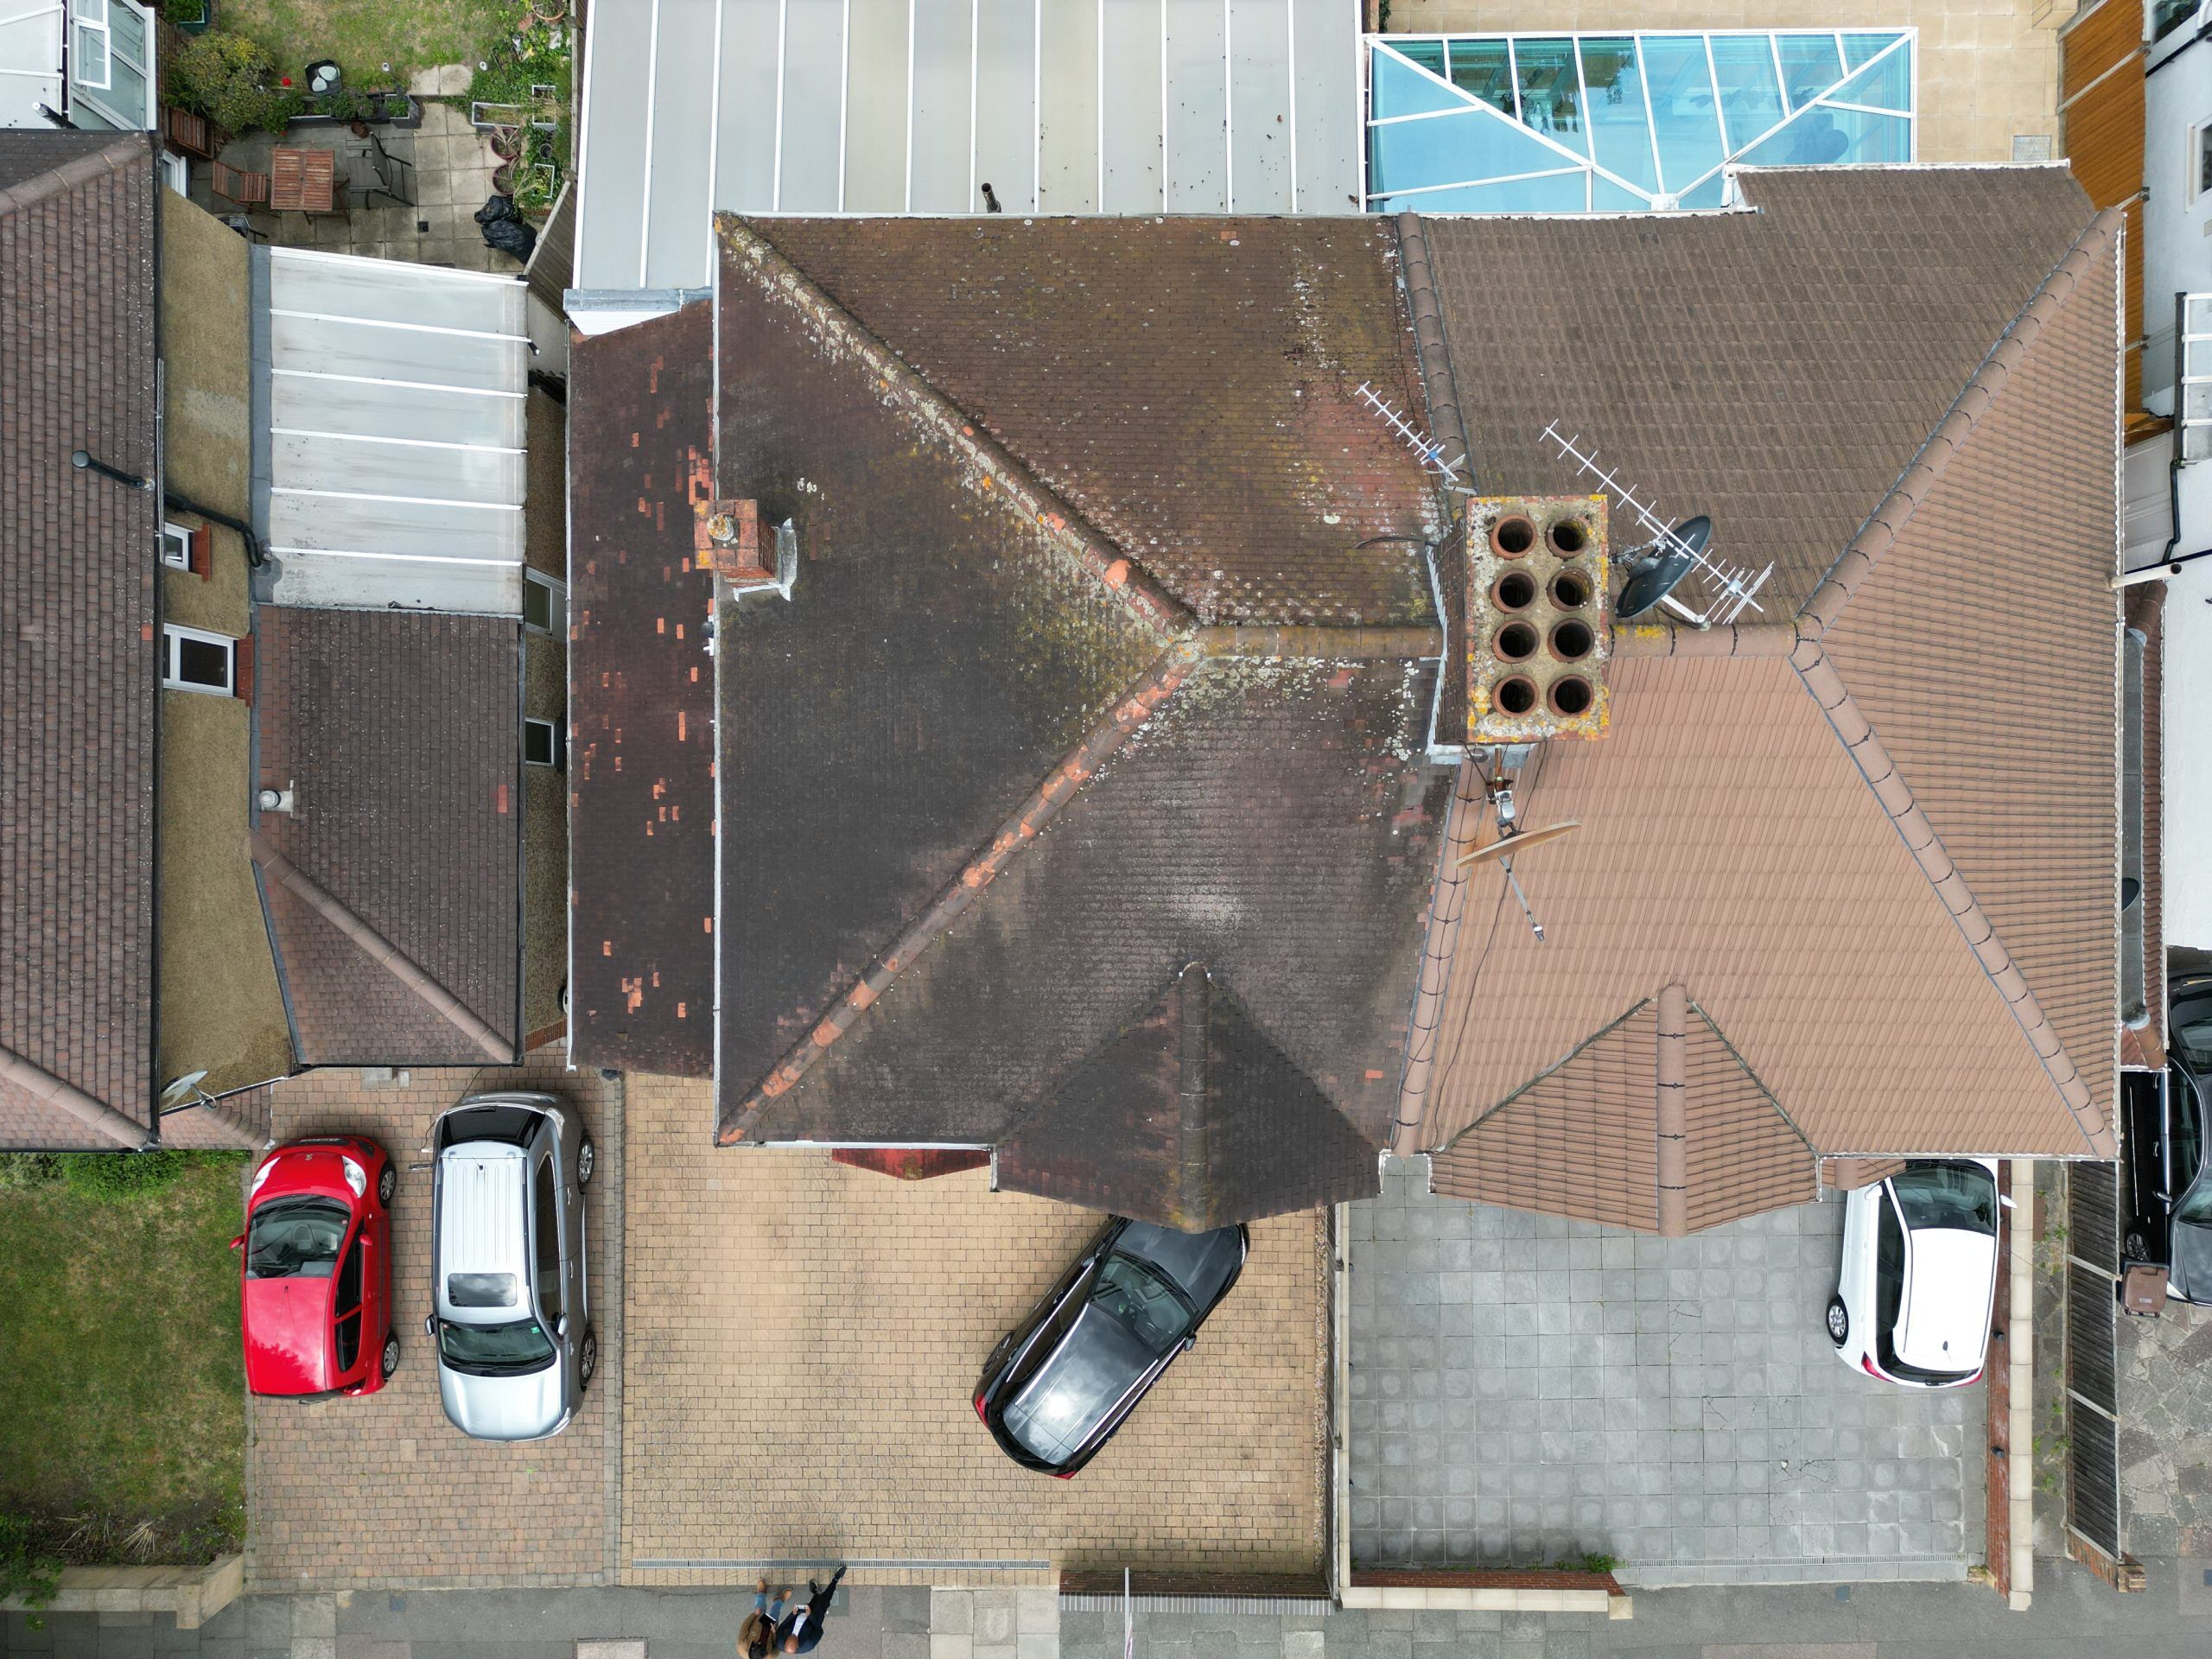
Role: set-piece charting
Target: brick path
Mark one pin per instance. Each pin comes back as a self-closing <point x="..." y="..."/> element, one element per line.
<point x="1524" y="1388"/>
<point x="805" y="1338"/>
<point x="381" y="1490"/>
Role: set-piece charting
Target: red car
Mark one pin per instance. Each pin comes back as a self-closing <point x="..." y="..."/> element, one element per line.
<point x="317" y="1269"/>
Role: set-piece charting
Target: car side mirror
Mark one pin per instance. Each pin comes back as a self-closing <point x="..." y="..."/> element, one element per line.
<point x="239" y="1243"/>
<point x="2005" y="1200"/>
<point x="561" y="1325"/>
<point x="1189" y="1342"/>
<point x="430" y="1327"/>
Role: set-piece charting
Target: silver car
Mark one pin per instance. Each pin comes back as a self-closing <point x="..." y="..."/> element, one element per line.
<point x="512" y="1326"/>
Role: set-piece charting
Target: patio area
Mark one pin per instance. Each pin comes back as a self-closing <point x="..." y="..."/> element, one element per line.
<point x="445" y="165"/>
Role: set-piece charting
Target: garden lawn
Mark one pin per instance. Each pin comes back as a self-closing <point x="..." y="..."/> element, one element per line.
<point x="122" y="1390"/>
<point x="364" y="35"/>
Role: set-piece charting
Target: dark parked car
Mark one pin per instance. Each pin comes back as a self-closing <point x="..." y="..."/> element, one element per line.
<point x="1059" y="1385"/>
<point x="2169" y="1182"/>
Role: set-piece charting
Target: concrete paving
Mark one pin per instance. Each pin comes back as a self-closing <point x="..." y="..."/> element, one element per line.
<point x="1524" y="1389"/>
<point x="2073" y="1614"/>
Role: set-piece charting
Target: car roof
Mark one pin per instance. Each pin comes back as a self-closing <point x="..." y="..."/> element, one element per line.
<point x="482" y="1224"/>
<point x="1096" y="1362"/>
<point x="1943" y="1320"/>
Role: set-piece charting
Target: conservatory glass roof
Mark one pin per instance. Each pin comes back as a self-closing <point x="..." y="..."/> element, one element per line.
<point x="1625" y="122"/>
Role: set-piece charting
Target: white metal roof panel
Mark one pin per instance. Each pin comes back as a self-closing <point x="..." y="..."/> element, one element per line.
<point x="850" y="106"/>
<point x="392" y="461"/>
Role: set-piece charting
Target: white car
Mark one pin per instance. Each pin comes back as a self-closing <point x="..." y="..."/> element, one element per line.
<point x="1912" y="1303"/>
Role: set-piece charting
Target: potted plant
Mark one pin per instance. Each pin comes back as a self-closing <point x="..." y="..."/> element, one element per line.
<point x="193" y="17"/>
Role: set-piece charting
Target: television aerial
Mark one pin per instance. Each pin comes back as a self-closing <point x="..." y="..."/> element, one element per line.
<point x="1672" y="554"/>
<point x="1512" y="839"/>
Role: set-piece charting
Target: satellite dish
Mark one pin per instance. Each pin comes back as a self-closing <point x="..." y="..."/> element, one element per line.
<point x="1661" y="575"/>
<point x="183" y="1089"/>
<point x="1507" y="846"/>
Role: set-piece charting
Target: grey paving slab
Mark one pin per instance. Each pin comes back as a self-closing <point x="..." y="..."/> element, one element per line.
<point x="1525" y="1390"/>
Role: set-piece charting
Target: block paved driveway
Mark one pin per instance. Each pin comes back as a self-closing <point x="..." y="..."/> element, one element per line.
<point x="804" y="1339"/>
<point x="1524" y="1389"/>
<point x="381" y="1490"/>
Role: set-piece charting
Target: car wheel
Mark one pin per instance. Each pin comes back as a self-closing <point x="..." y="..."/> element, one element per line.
<point x="587" y="1157"/>
<point x="391" y="1356"/>
<point x="588" y="1359"/>
<point x="2134" y="1247"/>
<point x="387" y="1183"/>
<point x="1839" y="1321"/>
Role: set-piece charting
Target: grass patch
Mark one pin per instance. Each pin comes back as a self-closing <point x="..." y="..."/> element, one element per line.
<point x="121" y="1388"/>
<point x="409" y="35"/>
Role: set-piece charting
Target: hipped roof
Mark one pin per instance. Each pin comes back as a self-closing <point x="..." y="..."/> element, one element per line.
<point x="1872" y="831"/>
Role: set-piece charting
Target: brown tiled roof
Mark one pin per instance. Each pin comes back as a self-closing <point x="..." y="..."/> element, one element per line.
<point x="641" y="702"/>
<point x="78" y="674"/>
<point x="399" y="734"/>
<point x="1190" y="1116"/>
<point x="1774" y="369"/>
<point x="1590" y="1138"/>
<point x="986" y="786"/>
<point x="1186" y="385"/>
<point x="1872" y="844"/>
<point x="1265" y="821"/>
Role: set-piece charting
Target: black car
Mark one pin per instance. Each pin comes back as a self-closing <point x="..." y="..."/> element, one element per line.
<point x="1059" y="1385"/>
<point x="2169" y="1182"/>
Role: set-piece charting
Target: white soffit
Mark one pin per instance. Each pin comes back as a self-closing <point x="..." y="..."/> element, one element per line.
<point x="395" y="442"/>
<point x="911" y="107"/>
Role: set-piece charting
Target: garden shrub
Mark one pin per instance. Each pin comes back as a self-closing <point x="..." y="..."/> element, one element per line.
<point x="121" y="1174"/>
<point x="231" y="81"/>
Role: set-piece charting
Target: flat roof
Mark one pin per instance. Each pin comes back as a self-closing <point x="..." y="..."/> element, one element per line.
<point x="891" y="106"/>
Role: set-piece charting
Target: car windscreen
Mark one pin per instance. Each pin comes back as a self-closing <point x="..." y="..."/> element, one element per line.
<point x="1142" y="1301"/>
<point x="522" y="1346"/>
<point x="295" y="1238"/>
<point x="2189" y="1028"/>
<point x="511" y="1124"/>
<point x="1961" y="1196"/>
<point x="2186" y="1129"/>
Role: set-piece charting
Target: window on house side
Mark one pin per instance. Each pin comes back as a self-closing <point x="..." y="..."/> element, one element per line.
<point x="2199" y="161"/>
<point x="90" y="66"/>
<point x="544" y="603"/>
<point x="542" y="743"/>
<point x="176" y="547"/>
<point x="194" y="661"/>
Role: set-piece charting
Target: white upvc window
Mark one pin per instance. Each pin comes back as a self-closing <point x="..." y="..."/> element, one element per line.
<point x="544" y="744"/>
<point x="90" y="44"/>
<point x="544" y="604"/>
<point x="194" y="660"/>
<point x="176" y="547"/>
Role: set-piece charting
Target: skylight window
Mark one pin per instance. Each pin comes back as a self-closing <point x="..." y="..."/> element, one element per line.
<point x="1554" y="123"/>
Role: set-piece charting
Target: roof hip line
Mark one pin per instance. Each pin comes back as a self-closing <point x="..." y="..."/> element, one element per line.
<point x="1670" y="1111"/>
<point x="1431" y="347"/>
<point x="379" y="949"/>
<point x="1886" y="523"/>
<point x="1875" y="765"/>
<point x="125" y="151"/>
<point x="1346" y="645"/>
<point x="34" y="1079"/>
<point x="905" y="389"/>
<point x="1130" y="710"/>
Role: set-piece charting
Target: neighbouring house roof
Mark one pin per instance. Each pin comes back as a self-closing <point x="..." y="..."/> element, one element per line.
<point x="389" y="470"/>
<point x="754" y="110"/>
<point x="1056" y="708"/>
<point x="78" y="674"/>
<point x="393" y="885"/>
<point x="1871" y="835"/>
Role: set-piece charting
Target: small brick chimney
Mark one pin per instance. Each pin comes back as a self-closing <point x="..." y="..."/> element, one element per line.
<point x="727" y="535"/>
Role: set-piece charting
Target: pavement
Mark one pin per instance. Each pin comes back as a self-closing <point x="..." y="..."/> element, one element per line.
<point x="2073" y="1614"/>
<point x="381" y="1490"/>
<point x="1524" y="1389"/>
<point x="804" y="1339"/>
<point x="2165" y="1453"/>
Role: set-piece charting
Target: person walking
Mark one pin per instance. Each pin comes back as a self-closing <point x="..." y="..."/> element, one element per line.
<point x="802" y="1630"/>
<point x="756" y="1637"/>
